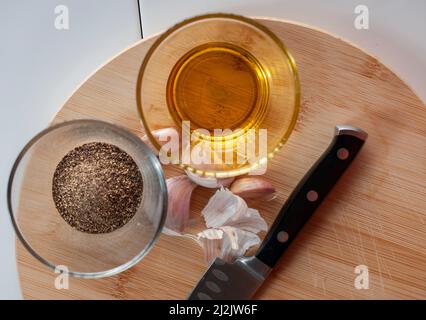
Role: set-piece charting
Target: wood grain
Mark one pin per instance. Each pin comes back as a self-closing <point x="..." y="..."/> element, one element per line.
<point x="375" y="216"/>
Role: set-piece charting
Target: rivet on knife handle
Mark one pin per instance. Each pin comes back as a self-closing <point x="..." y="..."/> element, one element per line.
<point x="310" y="192"/>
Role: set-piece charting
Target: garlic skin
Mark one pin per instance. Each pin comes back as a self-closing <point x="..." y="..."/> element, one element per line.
<point x="228" y="209"/>
<point x="232" y="227"/>
<point x="227" y="243"/>
<point x="209" y="182"/>
<point x="210" y="241"/>
<point x="179" y="197"/>
<point x="236" y="243"/>
<point x="252" y="187"/>
<point x="248" y="221"/>
<point x="173" y="233"/>
<point x="222" y="206"/>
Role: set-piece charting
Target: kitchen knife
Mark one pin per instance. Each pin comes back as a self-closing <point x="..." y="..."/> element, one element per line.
<point x="242" y="278"/>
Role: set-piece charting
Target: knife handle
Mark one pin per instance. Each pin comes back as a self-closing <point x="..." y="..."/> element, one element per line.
<point x="310" y="192"/>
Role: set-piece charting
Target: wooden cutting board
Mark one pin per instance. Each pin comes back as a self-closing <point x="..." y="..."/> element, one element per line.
<point x="375" y="216"/>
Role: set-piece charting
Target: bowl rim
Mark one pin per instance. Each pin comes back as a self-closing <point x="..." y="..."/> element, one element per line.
<point x="151" y="158"/>
<point x="260" y="26"/>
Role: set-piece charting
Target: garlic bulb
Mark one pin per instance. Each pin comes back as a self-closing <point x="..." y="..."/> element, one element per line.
<point x="209" y="182"/>
<point x="251" y="187"/>
<point x="179" y="197"/>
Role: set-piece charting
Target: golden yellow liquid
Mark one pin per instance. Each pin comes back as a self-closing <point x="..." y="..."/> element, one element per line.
<point x="218" y="86"/>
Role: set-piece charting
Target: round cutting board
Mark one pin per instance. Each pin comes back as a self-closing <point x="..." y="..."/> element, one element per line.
<point x="375" y="216"/>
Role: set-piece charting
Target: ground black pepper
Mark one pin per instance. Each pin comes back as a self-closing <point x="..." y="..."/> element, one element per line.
<point x="97" y="188"/>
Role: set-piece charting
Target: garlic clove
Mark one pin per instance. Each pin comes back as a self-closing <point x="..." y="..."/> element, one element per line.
<point x="179" y="196"/>
<point x="227" y="243"/>
<point x="251" y="187"/>
<point x="209" y="182"/>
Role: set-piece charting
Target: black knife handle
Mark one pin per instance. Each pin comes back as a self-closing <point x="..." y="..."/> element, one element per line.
<point x="310" y="192"/>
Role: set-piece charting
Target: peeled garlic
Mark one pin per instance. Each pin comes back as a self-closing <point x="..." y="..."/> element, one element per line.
<point x="251" y="187"/>
<point x="179" y="196"/>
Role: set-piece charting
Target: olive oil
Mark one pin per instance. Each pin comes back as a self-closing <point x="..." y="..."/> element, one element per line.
<point x="218" y="86"/>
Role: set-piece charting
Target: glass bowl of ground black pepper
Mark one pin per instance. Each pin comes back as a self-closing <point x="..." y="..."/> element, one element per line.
<point x="87" y="198"/>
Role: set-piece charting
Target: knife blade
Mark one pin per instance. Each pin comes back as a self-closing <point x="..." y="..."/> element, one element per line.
<point x="242" y="278"/>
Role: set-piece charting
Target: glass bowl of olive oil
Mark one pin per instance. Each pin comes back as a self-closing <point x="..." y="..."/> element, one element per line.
<point x="229" y="88"/>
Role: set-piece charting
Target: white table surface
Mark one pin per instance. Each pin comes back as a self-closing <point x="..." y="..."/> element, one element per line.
<point x="40" y="66"/>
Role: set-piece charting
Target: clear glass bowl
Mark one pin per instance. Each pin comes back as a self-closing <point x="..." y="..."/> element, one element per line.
<point x="219" y="71"/>
<point x="45" y="233"/>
